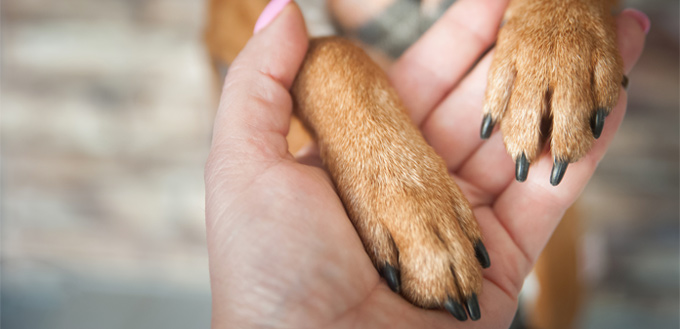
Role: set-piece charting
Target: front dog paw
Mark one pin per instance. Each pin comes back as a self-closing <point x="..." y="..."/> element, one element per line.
<point x="417" y="228"/>
<point x="414" y="222"/>
<point x="556" y="75"/>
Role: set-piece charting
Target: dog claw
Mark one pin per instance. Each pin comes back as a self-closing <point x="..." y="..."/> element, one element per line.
<point x="482" y="255"/>
<point x="559" y="168"/>
<point x="391" y="275"/>
<point x="455" y="309"/>
<point x="625" y="81"/>
<point x="522" y="168"/>
<point x="473" y="308"/>
<point x="597" y="122"/>
<point x="487" y="127"/>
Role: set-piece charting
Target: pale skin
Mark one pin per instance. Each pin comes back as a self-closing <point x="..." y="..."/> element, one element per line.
<point x="283" y="252"/>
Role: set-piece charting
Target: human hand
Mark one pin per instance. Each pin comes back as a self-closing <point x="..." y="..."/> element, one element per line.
<point x="283" y="252"/>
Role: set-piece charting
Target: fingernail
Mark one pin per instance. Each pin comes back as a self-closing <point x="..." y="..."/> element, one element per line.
<point x="269" y="13"/>
<point x="641" y="18"/>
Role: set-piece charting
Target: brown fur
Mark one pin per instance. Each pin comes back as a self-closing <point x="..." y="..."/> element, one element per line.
<point x="558" y="62"/>
<point x="396" y="189"/>
<point x="557" y="270"/>
<point x="229" y="26"/>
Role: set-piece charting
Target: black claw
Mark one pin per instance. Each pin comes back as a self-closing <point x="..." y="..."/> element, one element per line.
<point x="625" y="81"/>
<point x="455" y="309"/>
<point x="391" y="275"/>
<point x="487" y="127"/>
<point x="522" y="168"/>
<point x="597" y="122"/>
<point x="482" y="255"/>
<point x="473" y="308"/>
<point x="559" y="168"/>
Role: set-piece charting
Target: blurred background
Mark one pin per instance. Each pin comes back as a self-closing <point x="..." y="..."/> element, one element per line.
<point x="107" y="110"/>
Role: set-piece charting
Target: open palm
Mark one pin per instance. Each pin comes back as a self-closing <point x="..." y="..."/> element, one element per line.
<point x="283" y="252"/>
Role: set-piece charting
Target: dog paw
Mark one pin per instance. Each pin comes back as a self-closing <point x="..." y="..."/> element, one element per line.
<point x="414" y="222"/>
<point x="555" y="77"/>
<point x="417" y="228"/>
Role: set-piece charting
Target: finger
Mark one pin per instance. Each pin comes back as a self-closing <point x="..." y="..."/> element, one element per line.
<point x="490" y="170"/>
<point x="633" y="26"/>
<point x="433" y="65"/>
<point x="531" y="210"/>
<point x="452" y="127"/>
<point x="255" y="107"/>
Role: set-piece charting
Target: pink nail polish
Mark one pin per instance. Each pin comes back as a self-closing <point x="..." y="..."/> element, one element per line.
<point x="641" y="18"/>
<point x="269" y="13"/>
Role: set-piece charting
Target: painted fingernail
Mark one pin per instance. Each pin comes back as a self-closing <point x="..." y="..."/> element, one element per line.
<point x="559" y="168"/>
<point x="455" y="309"/>
<point x="641" y="18"/>
<point x="473" y="308"/>
<point x="482" y="255"/>
<point x="269" y="13"/>
<point x="487" y="127"/>
<point x="391" y="275"/>
<point x="522" y="168"/>
<point x="597" y="122"/>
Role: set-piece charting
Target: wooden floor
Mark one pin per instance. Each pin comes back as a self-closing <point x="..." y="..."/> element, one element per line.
<point x="106" y="119"/>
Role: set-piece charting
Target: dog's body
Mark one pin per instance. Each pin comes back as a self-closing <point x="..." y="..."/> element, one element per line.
<point x="556" y="74"/>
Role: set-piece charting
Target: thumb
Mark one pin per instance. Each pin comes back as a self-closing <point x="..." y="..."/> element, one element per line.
<point x="254" y="113"/>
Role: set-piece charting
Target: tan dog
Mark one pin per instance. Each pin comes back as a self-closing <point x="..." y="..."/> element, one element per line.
<point x="414" y="221"/>
<point x="556" y="73"/>
<point x="555" y="77"/>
